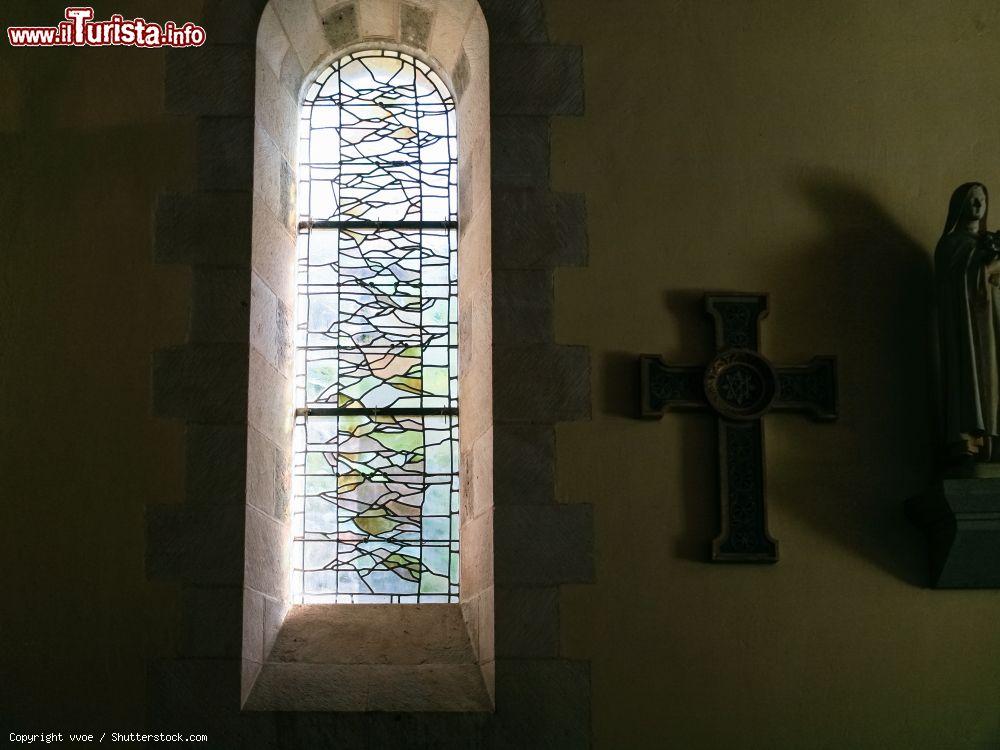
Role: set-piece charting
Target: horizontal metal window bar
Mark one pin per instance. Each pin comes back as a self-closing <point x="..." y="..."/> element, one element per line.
<point x="369" y="161"/>
<point x="337" y="411"/>
<point x="356" y="224"/>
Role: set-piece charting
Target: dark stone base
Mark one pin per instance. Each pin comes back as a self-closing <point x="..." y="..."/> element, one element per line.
<point x="962" y="520"/>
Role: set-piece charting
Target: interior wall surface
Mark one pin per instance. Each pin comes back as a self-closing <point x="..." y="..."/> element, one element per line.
<point x="807" y="150"/>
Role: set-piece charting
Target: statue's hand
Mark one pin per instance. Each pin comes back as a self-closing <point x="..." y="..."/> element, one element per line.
<point x="989" y="244"/>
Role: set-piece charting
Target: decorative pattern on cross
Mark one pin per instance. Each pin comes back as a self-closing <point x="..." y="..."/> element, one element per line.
<point x="740" y="386"/>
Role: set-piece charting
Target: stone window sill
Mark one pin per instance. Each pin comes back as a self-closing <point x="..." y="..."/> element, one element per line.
<point x="371" y="657"/>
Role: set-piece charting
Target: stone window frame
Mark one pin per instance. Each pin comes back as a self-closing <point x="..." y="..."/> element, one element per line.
<point x="313" y="660"/>
<point x="532" y="544"/>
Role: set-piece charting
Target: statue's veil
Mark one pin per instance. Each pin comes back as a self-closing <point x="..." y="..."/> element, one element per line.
<point x="957" y="203"/>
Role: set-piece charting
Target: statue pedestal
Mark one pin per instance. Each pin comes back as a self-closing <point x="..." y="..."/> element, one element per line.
<point x="961" y="517"/>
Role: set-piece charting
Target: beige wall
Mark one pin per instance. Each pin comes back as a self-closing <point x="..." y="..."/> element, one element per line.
<point x="84" y="149"/>
<point x="807" y="150"/>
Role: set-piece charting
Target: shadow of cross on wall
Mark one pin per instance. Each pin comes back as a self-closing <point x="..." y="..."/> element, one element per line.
<point x="740" y="386"/>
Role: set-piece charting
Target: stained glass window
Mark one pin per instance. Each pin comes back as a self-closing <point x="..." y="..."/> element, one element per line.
<point x="375" y="516"/>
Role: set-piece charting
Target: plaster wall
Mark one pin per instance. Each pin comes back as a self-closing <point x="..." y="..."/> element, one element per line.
<point x="85" y="149"/>
<point x="807" y="150"/>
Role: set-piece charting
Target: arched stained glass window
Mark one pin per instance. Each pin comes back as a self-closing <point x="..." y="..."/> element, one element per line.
<point x="375" y="515"/>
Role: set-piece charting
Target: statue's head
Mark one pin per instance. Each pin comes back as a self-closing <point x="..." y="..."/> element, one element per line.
<point x="969" y="203"/>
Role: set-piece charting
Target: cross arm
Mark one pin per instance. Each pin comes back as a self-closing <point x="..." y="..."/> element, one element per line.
<point x="664" y="387"/>
<point x="737" y="318"/>
<point x="810" y="389"/>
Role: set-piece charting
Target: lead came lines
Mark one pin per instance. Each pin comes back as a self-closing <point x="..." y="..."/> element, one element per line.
<point x="376" y="408"/>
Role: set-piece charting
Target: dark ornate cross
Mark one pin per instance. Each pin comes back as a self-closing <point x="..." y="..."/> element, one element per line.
<point x="740" y="386"/>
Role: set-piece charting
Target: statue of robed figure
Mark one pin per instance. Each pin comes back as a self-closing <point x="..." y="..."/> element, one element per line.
<point x="967" y="271"/>
<point x="960" y="511"/>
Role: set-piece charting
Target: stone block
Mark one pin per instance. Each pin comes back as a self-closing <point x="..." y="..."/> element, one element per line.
<point x="204" y="229"/>
<point x="536" y="79"/>
<point x="415" y="25"/>
<point x="520" y="151"/>
<point x="522" y="306"/>
<point x="448" y="28"/>
<point x="465" y="481"/>
<point x="215" y="80"/>
<point x="555" y="544"/>
<point x="489" y="672"/>
<point x="292" y="77"/>
<point x="267" y="171"/>
<point x="476" y="394"/>
<point x="273" y="251"/>
<point x="485" y="626"/>
<point x="543" y="703"/>
<point x="541" y="383"/>
<point x="211" y="622"/>
<point x="475" y="325"/>
<point x="477" y="560"/>
<point x="476" y="46"/>
<point x="266" y="566"/>
<point x="261" y="470"/>
<point x="215" y="464"/>
<point x="270" y="400"/>
<point x="473" y="179"/>
<point x="201" y="383"/>
<point x="523" y="464"/>
<point x="252" y="606"/>
<point x="340" y="26"/>
<point x="473" y="104"/>
<point x="225" y="151"/>
<point x="272" y="42"/>
<point x="201" y="546"/>
<point x="527" y="622"/>
<point x="467" y="191"/>
<point x="305" y="30"/>
<point x="220" y="306"/>
<point x="522" y="21"/>
<point x="475" y="261"/>
<point x="460" y="75"/>
<point x="263" y="320"/>
<point x="282" y="482"/>
<point x="249" y="671"/>
<point x="481" y="475"/>
<point x="534" y="229"/>
<point x="276" y="111"/>
<point x="274" y="616"/>
<point x="284" y="334"/>
<point x="470" y="614"/>
<point x="379" y="20"/>
<point x="273" y="179"/>
<point x="289" y="188"/>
